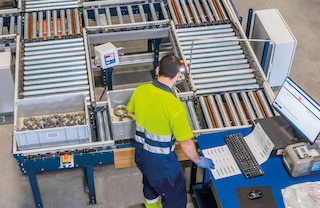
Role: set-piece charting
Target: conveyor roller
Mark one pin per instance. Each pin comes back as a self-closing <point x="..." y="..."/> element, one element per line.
<point x="39" y="5"/>
<point x="191" y="113"/>
<point x="102" y="124"/>
<point x="191" y="12"/>
<point x="124" y="14"/>
<point x="54" y="67"/>
<point x="218" y="63"/>
<point x="10" y="24"/>
<point x="234" y="109"/>
<point x="55" y="24"/>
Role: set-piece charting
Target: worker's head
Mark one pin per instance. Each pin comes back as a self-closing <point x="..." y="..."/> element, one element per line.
<point x="169" y="66"/>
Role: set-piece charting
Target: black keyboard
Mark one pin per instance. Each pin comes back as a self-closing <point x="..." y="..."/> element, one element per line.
<point x="243" y="155"/>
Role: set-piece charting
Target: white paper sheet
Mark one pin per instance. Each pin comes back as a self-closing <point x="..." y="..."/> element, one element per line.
<point x="225" y="165"/>
<point x="259" y="144"/>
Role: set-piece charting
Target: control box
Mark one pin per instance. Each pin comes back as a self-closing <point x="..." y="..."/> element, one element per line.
<point x="106" y="55"/>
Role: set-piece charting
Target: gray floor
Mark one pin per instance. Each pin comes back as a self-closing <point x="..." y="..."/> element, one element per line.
<point x="121" y="188"/>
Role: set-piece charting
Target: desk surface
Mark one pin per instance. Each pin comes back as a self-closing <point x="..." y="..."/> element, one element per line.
<point x="275" y="174"/>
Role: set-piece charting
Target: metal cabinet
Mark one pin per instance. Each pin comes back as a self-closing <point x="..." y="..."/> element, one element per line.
<point x="6" y="83"/>
<point x="269" y="25"/>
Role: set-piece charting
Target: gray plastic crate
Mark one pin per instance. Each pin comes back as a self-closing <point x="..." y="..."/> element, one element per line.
<point x="120" y="129"/>
<point x="51" y="136"/>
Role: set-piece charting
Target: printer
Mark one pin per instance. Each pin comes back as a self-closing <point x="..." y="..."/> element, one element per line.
<point x="280" y="133"/>
<point x="302" y="158"/>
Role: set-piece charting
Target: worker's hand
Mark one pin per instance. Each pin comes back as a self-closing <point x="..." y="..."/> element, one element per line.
<point x="205" y="163"/>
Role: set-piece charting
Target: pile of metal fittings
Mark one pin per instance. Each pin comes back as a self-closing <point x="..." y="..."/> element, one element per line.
<point x="122" y="112"/>
<point x="54" y="120"/>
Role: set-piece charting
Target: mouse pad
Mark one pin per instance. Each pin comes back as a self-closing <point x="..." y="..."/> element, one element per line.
<point x="266" y="201"/>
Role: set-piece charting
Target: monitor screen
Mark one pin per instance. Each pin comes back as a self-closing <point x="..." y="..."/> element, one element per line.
<point x="299" y="109"/>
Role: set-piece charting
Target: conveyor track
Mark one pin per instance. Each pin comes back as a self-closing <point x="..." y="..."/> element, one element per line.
<point x="124" y="14"/>
<point x="10" y="24"/>
<point x="102" y="124"/>
<point x="227" y="109"/>
<point x="54" y="67"/>
<point x="39" y="5"/>
<point x="52" y="24"/>
<point x="227" y="91"/>
<point x="190" y="12"/>
<point x="217" y="61"/>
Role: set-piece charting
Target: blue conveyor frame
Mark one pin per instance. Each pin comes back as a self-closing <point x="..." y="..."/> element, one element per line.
<point x="87" y="161"/>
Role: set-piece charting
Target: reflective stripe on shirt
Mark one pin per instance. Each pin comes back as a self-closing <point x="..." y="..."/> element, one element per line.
<point x="157" y="144"/>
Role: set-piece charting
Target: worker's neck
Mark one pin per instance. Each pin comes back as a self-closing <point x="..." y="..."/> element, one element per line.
<point x="166" y="81"/>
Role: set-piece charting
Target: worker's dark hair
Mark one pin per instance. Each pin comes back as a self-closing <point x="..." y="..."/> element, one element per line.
<point x="169" y="66"/>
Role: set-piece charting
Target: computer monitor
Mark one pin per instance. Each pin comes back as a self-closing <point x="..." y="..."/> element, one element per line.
<point x="299" y="109"/>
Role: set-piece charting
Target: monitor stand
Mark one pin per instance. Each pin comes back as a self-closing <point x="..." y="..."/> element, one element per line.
<point x="315" y="145"/>
<point x="280" y="133"/>
<point x="290" y="133"/>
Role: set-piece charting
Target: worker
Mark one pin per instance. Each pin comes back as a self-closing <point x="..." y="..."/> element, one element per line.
<point x="161" y="120"/>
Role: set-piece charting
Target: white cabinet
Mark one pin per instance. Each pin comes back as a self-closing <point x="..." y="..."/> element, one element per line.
<point x="270" y="25"/>
<point x="6" y="83"/>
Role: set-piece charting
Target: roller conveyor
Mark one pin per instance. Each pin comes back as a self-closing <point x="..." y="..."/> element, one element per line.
<point x="103" y="124"/>
<point x="55" y="24"/>
<point x="192" y="116"/>
<point x="54" y="60"/>
<point x="227" y="110"/>
<point x="124" y="14"/>
<point x="215" y="58"/>
<point x="39" y="5"/>
<point x="54" y="67"/>
<point x="234" y="109"/>
<point x="10" y="24"/>
<point x="192" y="12"/>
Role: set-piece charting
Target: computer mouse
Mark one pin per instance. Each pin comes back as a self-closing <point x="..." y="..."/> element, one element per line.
<point x="254" y="194"/>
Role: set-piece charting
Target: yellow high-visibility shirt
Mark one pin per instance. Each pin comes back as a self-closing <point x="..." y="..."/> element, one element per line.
<point x="159" y="111"/>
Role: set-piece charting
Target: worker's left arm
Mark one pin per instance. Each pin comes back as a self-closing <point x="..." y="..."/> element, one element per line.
<point x="189" y="148"/>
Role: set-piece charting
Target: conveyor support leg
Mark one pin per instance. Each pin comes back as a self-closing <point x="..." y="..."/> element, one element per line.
<point x="250" y="13"/>
<point x="35" y="190"/>
<point x="193" y="176"/>
<point x="90" y="182"/>
<point x="157" y="43"/>
<point x="110" y="70"/>
<point x="264" y="55"/>
<point x="206" y="181"/>
<point x="106" y="77"/>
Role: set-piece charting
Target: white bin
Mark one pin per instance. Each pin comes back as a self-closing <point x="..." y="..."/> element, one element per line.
<point x="120" y="129"/>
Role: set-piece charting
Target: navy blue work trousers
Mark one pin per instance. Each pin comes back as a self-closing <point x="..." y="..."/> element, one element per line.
<point x="172" y="189"/>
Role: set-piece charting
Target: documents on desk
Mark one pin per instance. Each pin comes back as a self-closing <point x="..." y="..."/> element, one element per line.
<point x="226" y="166"/>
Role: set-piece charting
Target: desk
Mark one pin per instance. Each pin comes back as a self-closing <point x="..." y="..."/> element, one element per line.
<point x="275" y="175"/>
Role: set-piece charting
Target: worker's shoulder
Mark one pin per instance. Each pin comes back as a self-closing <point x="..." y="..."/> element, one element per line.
<point x="144" y="86"/>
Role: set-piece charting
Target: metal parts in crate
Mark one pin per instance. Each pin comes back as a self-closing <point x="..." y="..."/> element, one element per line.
<point x="122" y="123"/>
<point x="52" y="121"/>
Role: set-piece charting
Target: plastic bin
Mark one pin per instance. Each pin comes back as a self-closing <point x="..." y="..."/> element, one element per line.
<point x="43" y="107"/>
<point x="120" y="129"/>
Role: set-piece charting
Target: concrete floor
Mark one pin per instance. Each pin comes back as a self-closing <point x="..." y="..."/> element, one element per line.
<point x="121" y="188"/>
